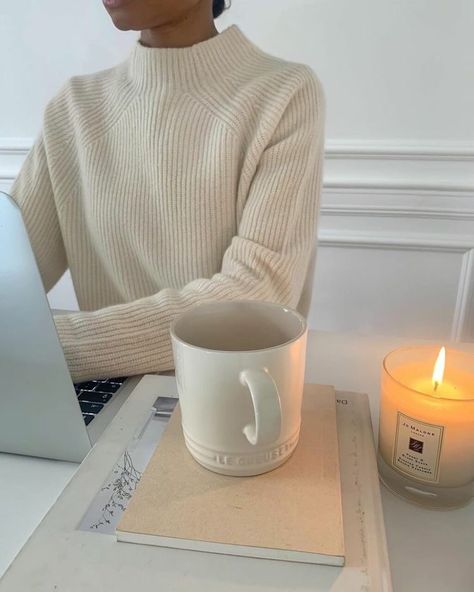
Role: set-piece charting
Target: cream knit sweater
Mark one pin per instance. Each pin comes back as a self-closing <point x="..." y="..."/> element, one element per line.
<point x="177" y="177"/>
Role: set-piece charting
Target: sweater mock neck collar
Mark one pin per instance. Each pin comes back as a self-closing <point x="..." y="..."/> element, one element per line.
<point x="185" y="67"/>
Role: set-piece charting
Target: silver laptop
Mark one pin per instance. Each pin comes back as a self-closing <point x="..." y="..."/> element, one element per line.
<point x="42" y="413"/>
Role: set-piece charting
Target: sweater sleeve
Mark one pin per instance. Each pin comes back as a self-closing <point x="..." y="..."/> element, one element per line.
<point x="266" y="260"/>
<point x="33" y="192"/>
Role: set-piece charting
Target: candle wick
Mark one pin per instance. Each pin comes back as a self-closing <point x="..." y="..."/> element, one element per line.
<point x="436" y="383"/>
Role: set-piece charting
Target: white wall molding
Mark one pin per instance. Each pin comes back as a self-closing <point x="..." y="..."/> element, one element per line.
<point x="400" y="166"/>
<point x="15" y="146"/>
<point x="369" y="240"/>
<point x="463" y="320"/>
<point x="400" y="150"/>
<point x="337" y="149"/>
<point x="406" y="166"/>
<point x="372" y="182"/>
<point x="398" y="212"/>
<point x="12" y="153"/>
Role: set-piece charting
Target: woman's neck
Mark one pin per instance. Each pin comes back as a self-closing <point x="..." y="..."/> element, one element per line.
<point x="196" y="26"/>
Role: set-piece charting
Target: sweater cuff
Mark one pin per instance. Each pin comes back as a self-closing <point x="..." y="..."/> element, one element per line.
<point x="68" y="341"/>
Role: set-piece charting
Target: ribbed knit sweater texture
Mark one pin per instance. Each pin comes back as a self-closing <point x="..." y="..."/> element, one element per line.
<point x="178" y="177"/>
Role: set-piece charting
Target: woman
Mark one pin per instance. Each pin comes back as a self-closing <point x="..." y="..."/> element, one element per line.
<point x="186" y="174"/>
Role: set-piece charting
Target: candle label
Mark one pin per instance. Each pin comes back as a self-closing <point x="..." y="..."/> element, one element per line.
<point x="417" y="448"/>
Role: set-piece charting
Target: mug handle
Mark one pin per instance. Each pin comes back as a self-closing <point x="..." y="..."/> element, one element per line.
<point x="266" y="405"/>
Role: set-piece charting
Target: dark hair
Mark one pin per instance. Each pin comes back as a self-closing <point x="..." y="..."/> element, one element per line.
<point x="218" y="7"/>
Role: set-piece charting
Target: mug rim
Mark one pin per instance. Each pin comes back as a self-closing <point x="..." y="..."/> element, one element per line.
<point x="280" y="307"/>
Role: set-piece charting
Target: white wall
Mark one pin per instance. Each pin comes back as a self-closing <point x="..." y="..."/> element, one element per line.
<point x="397" y="228"/>
<point x="392" y="70"/>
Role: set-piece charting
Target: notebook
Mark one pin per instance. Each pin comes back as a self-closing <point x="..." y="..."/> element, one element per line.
<point x="292" y="513"/>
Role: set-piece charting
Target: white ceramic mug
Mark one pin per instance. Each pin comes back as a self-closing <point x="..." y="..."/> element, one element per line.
<point x="240" y="374"/>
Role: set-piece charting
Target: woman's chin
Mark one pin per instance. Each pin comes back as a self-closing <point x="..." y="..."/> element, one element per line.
<point x="124" y="21"/>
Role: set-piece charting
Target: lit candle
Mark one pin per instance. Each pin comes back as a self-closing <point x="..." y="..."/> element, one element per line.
<point x="437" y="385"/>
<point x="426" y="432"/>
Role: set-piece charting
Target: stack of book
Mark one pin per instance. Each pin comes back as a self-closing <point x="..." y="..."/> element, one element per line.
<point x="296" y="512"/>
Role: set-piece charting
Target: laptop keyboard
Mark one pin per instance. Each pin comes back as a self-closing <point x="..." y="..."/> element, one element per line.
<point x="93" y="395"/>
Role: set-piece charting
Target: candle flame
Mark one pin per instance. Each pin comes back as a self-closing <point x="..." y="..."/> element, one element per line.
<point x="438" y="372"/>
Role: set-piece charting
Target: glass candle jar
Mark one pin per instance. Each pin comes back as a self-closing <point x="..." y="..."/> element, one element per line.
<point x="426" y="430"/>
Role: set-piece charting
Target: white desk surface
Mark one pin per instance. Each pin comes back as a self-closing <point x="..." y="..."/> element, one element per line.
<point x="428" y="550"/>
